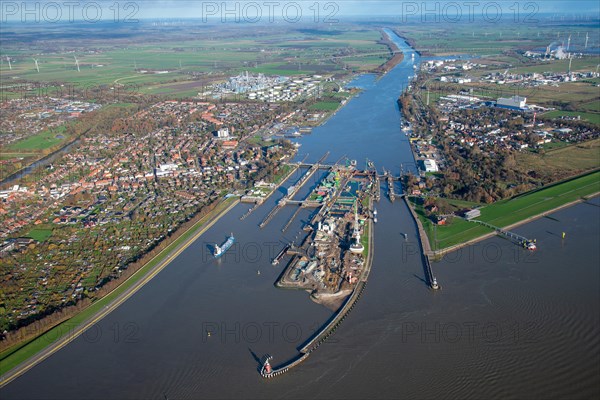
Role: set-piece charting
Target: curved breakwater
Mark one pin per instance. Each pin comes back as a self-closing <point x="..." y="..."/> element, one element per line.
<point x="320" y="336"/>
<point x="332" y="324"/>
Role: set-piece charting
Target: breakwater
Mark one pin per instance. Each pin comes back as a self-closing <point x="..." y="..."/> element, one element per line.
<point x="332" y="324"/>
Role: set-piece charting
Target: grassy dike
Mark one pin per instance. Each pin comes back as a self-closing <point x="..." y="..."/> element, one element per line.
<point x="512" y="211"/>
<point x="59" y="336"/>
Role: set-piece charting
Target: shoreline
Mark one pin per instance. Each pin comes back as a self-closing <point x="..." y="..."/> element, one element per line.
<point x="440" y="253"/>
<point x="104" y="306"/>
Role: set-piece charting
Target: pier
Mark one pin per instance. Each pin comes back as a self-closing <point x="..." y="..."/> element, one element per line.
<point x="329" y="327"/>
<point x="292" y="190"/>
<point x="521" y="240"/>
<point x="294" y="215"/>
<point x="281" y="254"/>
<point x="430" y="279"/>
<point x="250" y="211"/>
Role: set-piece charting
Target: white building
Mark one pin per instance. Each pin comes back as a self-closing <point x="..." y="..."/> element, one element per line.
<point x="472" y="214"/>
<point x="223" y="133"/>
<point x="430" y="165"/>
<point x="512" y="102"/>
<point x="167" y="167"/>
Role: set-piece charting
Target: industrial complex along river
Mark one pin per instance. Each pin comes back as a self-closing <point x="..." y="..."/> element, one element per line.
<point x="506" y="323"/>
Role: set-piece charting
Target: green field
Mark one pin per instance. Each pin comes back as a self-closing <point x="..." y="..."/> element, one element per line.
<point x="217" y="51"/>
<point x="593" y="106"/>
<point x="507" y="212"/>
<point x="591" y="117"/>
<point x="284" y="171"/>
<point x="40" y="234"/>
<point x="560" y="158"/>
<point x="12" y="357"/>
<point x="41" y="141"/>
<point x="325" y="106"/>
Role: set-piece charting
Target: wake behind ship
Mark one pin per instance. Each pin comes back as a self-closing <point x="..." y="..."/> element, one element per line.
<point x="220" y="250"/>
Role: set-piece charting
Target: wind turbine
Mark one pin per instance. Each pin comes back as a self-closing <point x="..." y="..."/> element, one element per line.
<point x="36" y="65"/>
<point x="77" y="63"/>
<point x="9" y="65"/>
<point x="568" y="42"/>
<point x="587" y="37"/>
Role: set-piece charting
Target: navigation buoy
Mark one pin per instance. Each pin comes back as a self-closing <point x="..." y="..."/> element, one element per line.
<point x="563" y="235"/>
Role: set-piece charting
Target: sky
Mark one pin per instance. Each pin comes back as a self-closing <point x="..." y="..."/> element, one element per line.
<point x="289" y="10"/>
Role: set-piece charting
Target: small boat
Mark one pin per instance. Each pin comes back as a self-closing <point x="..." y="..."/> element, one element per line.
<point x="258" y="272"/>
<point x="375" y="219"/>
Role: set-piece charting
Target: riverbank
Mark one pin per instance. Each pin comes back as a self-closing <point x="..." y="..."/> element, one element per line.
<point x="41" y="160"/>
<point x="440" y="253"/>
<point x="16" y="362"/>
<point x="506" y="214"/>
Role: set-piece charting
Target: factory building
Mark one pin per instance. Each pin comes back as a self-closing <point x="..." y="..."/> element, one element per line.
<point x="512" y="103"/>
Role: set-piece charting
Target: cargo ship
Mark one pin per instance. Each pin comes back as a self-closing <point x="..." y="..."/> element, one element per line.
<point x="220" y="250"/>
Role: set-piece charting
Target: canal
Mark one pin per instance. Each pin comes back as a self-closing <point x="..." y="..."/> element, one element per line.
<point x="507" y="323"/>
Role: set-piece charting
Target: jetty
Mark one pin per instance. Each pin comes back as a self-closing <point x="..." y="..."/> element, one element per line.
<point x="281" y="254"/>
<point x="514" y="237"/>
<point x="267" y="371"/>
<point x="294" y="215"/>
<point x="292" y="190"/>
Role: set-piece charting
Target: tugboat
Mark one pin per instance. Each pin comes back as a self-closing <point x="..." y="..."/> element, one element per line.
<point x="220" y="250"/>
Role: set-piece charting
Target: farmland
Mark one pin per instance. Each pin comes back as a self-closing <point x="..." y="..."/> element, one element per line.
<point x="167" y="68"/>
